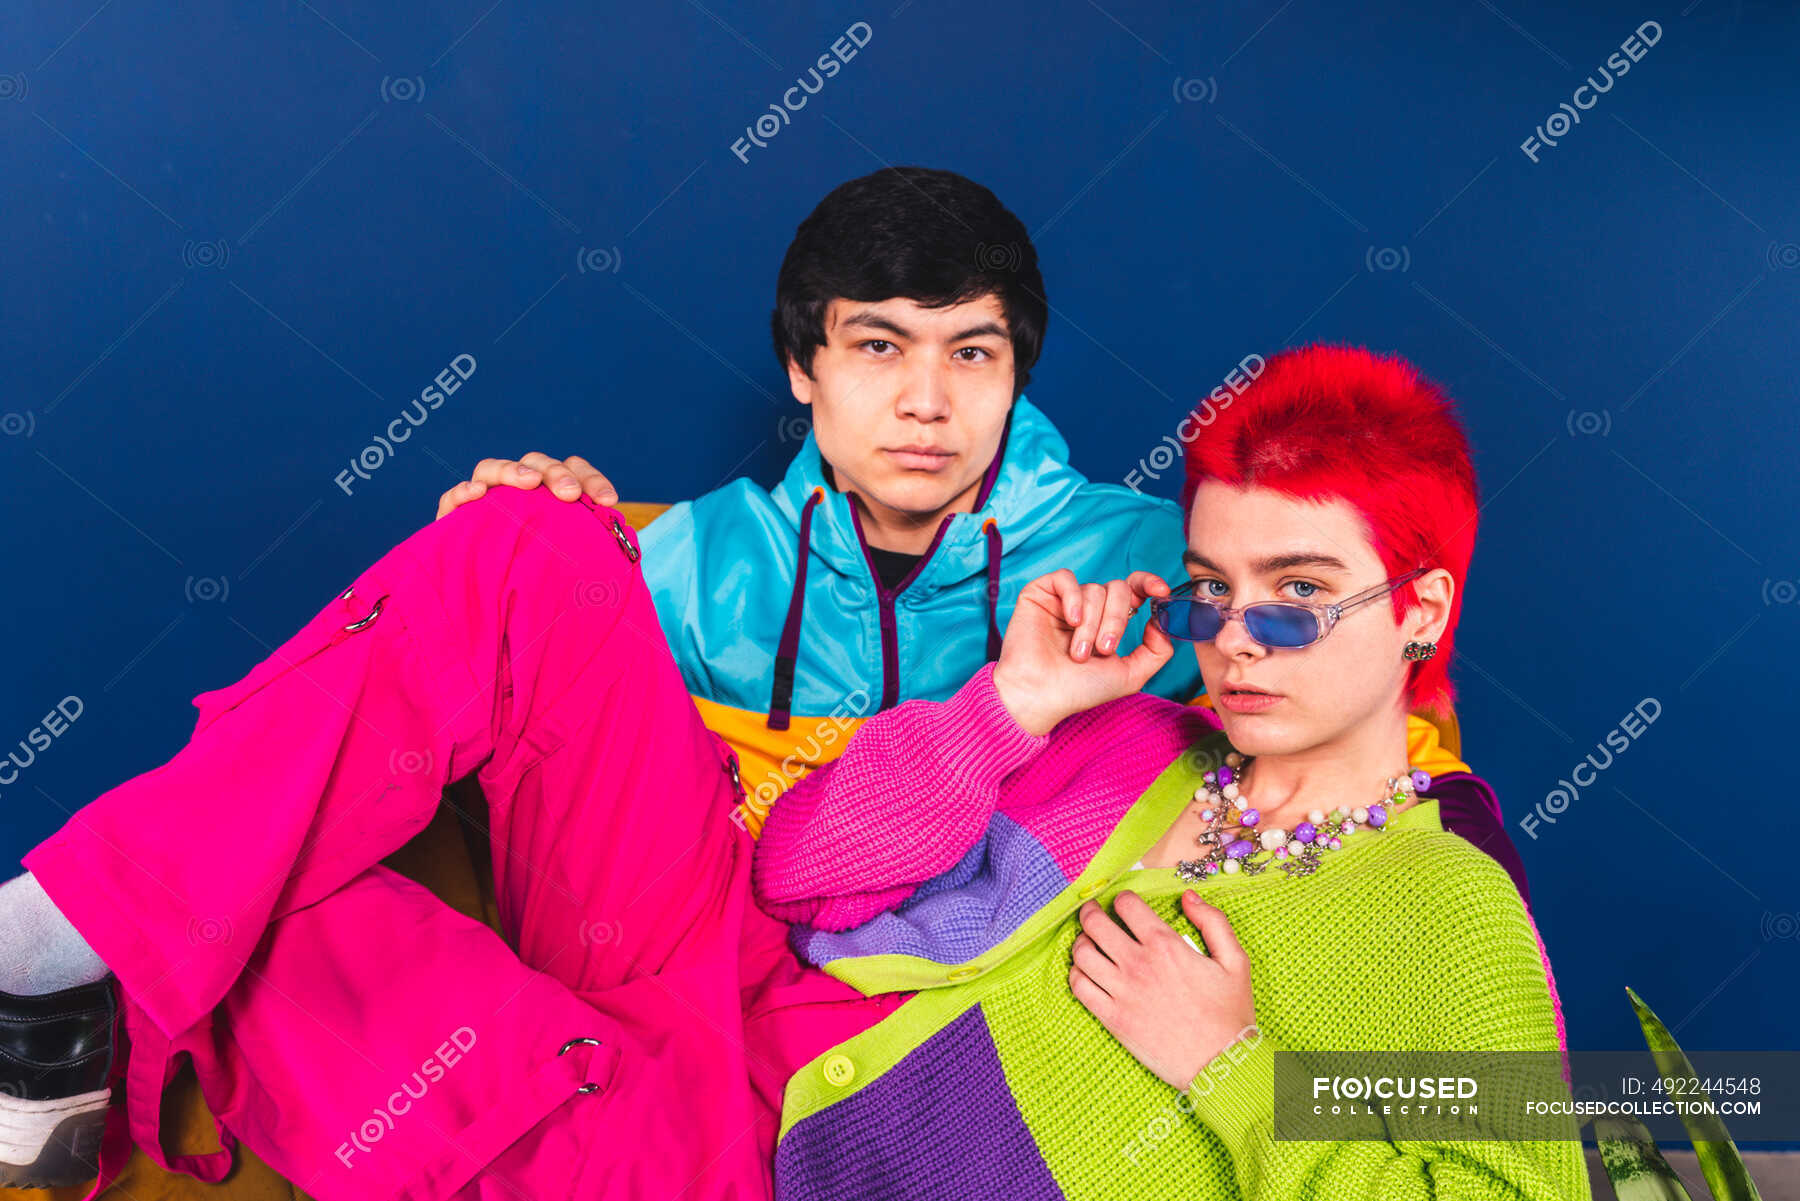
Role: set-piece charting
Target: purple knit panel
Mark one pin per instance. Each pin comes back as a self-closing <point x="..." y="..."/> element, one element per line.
<point x="955" y="916"/>
<point x="940" y="1124"/>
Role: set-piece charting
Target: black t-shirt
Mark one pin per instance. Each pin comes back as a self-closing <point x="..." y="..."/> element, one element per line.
<point x="891" y="566"/>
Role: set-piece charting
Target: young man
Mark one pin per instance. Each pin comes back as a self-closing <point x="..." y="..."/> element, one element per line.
<point x="909" y="312"/>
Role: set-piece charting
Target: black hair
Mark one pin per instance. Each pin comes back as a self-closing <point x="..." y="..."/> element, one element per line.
<point x="933" y="237"/>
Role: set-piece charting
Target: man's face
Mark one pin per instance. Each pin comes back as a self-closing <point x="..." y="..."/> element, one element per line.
<point x="908" y="403"/>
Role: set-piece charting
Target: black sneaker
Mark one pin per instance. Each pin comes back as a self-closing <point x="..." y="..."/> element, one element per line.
<point x="56" y="1059"/>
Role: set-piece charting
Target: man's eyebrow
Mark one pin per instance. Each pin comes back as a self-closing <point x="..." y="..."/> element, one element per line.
<point x="1274" y="563"/>
<point x="870" y="319"/>
<point x="987" y="329"/>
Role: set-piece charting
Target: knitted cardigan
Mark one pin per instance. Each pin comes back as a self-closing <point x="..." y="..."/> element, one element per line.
<point x="946" y="854"/>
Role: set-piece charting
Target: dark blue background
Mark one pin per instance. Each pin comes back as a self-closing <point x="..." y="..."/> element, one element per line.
<point x="173" y="427"/>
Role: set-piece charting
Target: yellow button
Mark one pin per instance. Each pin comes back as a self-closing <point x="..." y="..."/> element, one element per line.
<point x="1088" y="890"/>
<point x="967" y="972"/>
<point x="839" y="1070"/>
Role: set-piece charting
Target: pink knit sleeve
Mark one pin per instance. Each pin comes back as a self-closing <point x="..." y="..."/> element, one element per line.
<point x="913" y="791"/>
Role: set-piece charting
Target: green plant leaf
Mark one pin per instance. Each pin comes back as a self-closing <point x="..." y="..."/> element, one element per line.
<point x="1636" y="1168"/>
<point x="1719" y="1160"/>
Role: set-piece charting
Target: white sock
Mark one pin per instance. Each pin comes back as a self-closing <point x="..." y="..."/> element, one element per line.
<point x="40" y="952"/>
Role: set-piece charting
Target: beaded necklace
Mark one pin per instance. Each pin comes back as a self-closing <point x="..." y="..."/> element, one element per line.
<point x="1297" y="853"/>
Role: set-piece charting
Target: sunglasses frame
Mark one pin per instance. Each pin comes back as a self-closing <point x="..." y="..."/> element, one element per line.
<point x="1325" y="616"/>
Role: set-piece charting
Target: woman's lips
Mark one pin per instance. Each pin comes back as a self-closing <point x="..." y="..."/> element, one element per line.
<point x="920" y="460"/>
<point x="1247" y="702"/>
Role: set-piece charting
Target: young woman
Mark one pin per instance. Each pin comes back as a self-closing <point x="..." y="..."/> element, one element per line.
<point x="1036" y="855"/>
<point x="641" y="1025"/>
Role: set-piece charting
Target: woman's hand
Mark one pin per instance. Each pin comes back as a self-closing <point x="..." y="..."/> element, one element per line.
<point x="1058" y="655"/>
<point x="1173" y="1007"/>
<point x="570" y="479"/>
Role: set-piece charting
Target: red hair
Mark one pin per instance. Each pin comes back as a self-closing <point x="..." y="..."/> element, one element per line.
<point x="1325" y="423"/>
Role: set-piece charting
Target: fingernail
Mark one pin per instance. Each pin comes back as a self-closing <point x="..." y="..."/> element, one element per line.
<point x="609" y="498"/>
<point x="1081" y="648"/>
<point x="567" y="486"/>
<point x="522" y="472"/>
<point x="1106" y="643"/>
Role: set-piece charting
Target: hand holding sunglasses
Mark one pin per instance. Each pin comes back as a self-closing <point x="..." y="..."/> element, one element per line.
<point x="1058" y="656"/>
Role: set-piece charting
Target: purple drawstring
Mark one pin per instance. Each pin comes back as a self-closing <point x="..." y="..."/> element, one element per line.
<point x="787" y="654"/>
<point x="992" y="529"/>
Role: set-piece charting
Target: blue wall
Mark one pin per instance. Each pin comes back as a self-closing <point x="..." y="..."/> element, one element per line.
<point x="230" y="258"/>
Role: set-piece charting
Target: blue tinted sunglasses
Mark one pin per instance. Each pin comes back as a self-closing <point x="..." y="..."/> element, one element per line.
<point x="1284" y="625"/>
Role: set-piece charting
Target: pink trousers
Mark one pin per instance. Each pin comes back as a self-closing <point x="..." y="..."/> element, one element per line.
<point x="362" y="1037"/>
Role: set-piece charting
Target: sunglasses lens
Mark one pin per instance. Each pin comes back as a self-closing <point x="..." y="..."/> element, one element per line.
<point x="1190" y="620"/>
<point x="1282" y="625"/>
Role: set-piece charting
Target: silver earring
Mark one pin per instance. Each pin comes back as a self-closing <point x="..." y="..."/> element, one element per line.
<point x="1420" y="650"/>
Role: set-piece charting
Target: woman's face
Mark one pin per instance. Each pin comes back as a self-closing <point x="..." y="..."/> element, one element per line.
<point x="1255" y="544"/>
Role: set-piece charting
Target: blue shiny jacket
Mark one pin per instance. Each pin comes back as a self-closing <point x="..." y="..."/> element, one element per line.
<point x="772" y="605"/>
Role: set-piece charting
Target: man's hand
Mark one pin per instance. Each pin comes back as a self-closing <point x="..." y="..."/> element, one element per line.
<point x="570" y="479"/>
<point x="1058" y="657"/>
<point x="1174" y="1007"/>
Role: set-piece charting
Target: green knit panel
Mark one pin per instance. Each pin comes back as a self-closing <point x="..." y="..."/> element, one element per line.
<point x="1105" y="1126"/>
<point x="1351" y="958"/>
